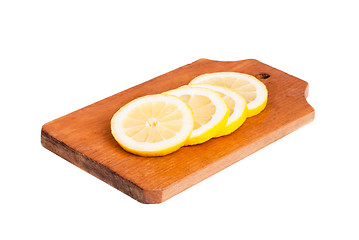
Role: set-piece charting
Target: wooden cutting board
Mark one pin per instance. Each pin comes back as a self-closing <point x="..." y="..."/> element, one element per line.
<point x="84" y="138"/>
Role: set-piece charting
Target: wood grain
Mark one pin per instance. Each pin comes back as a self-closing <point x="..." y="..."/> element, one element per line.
<point x="84" y="138"/>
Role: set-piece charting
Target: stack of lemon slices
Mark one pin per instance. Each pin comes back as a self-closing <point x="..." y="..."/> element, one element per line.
<point x="212" y="105"/>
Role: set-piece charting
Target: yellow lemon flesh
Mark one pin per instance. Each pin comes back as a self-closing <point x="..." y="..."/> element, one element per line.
<point x="209" y="109"/>
<point x="237" y="107"/>
<point x="153" y="125"/>
<point x="253" y="90"/>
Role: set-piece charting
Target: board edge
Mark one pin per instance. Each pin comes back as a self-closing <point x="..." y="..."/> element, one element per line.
<point x="98" y="170"/>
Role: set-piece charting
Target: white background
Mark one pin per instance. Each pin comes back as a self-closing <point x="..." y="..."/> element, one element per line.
<point x="59" y="56"/>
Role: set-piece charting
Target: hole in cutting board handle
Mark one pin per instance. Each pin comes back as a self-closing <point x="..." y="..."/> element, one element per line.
<point x="262" y="75"/>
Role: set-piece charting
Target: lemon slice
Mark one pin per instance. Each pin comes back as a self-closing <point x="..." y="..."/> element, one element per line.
<point x="154" y="125"/>
<point x="209" y="109"/>
<point x="237" y="107"/>
<point x="253" y="90"/>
